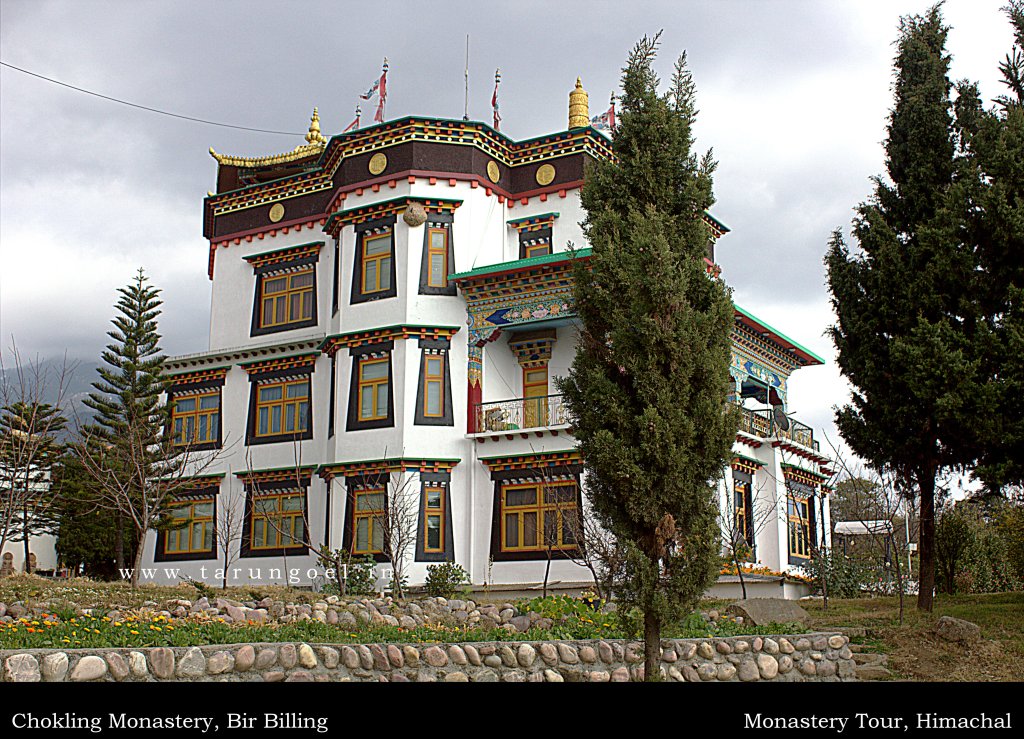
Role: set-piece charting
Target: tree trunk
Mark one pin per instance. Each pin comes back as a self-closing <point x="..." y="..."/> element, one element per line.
<point x="118" y="543"/>
<point x="24" y="534"/>
<point x="547" y="571"/>
<point x="926" y="567"/>
<point x="739" y="573"/>
<point x="137" y="562"/>
<point x="652" y="648"/>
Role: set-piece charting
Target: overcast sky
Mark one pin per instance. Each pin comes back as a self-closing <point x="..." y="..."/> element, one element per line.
<point x="793" y="99"/>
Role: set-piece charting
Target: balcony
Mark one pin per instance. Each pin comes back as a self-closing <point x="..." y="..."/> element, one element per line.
<point x="762" y="423"/>
<point x="521" y="414"/>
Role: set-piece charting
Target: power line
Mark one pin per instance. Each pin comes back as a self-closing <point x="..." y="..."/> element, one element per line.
<point x="143" y="107"/>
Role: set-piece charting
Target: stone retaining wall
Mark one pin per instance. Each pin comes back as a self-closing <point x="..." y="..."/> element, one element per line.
<point x="795" y="658"/>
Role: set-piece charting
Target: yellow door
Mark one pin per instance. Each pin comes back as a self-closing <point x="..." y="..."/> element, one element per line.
<point x="535" y="392"/>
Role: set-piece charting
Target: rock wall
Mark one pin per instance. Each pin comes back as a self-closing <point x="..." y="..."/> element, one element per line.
<point x="794" y="658"/>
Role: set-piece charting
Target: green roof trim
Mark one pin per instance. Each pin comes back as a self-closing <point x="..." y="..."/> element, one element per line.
<point x="725" y="229"/>
<point x="518" y="264"/>
<point x="172" y="375"/>
<point x="805" y="471"/>
<point x="304" y="468"/>
<point x="531" y="454"/>
<point x="779" y="334"/>
<point x="282" y="249"/>
<point x="745" y="458"/>
<point x="542" y="216"/>
<point x="389" y="460"/>
<point x="313" y="353"/>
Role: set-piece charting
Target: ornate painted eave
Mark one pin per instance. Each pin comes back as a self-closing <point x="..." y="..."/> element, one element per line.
<point x="190" y="362"/>
<point x="314" y="147"/>
<point x="539" y="462"/>
<point x="303" y="151"/>
<point x="802" y="356"/>
<point x="301" y="475"/>
<point x="297" y="361"/>
<point x="332" y="344"/>
<point x="382" y="466"/>
<point x="387" y="208"/>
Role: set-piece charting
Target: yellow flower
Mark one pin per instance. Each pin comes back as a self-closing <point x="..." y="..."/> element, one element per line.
<point x="134" y="632"/>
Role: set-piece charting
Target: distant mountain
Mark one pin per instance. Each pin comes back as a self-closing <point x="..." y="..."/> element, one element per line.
<point x="77" y="385"/>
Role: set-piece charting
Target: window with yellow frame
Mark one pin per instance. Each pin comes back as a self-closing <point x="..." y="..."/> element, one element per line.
<point x="373" y="388"/>
<point x="539" y="516"/>
<point x="277" y="520"/>
<point x="538" y="249"/>
<point x="437" y="257"/>
<point x="195" y="418"/>
<point x="433" y="519"/>
<point x="741" y="492"/>
<point x="376" y="263"/>
<point x="287" y="298"/>
<point x="191" y="527"/>
<point x="368" y="521"/>
<point x="799" y="511"/>
<point x="282" y="408"/>
<point x="433" y="386"/>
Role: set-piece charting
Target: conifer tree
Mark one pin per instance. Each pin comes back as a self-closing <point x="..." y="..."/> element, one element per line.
<point x="908" y="331"/>
<point x="133" y="465"/>
<point x="127" y="397"/>
<point x="647" y="389"/>
<point x="991" y="179"/>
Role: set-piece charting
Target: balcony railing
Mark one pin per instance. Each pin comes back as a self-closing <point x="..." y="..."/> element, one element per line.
<point x="521" y="413"/>
<point x="762" y="423"/>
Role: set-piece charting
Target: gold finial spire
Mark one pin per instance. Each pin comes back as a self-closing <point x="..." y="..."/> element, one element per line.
<point x="579" y="107"/>
<point x="314" y="136"/>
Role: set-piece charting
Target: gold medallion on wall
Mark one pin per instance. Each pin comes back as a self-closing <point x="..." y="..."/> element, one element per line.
<point x="545" y="175"/>
<point x="378" y="163"/>
<point x="493" y="173"/>
<point x="276" y="212"/>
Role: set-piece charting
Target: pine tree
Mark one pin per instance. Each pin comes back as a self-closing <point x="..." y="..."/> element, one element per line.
<point x="908" y="331"/>
<point x="991" y="148"/>
<point x="134" y="465"/>
<point x="647" y="389"/>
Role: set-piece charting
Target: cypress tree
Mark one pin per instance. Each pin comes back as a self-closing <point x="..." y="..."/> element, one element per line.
<point x="991" y="156"/>
<point x="647" y="389"/>
<point x="908" y="329"/>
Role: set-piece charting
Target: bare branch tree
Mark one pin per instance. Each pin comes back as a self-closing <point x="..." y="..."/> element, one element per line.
<point x="33" y="401"/>
<point x="229" y="526"/>
<point x="744" y="516"/>
<point x="399" y="521"/>
<point x="138" y="474"/>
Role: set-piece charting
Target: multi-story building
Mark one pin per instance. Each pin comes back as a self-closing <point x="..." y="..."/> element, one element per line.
<point x="395" y="303"/>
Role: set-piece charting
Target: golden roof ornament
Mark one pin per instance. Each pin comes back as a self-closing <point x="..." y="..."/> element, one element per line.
<point x="314" y="136"/>
<point x="315" y="144"/>
<point x="579" y="107"/>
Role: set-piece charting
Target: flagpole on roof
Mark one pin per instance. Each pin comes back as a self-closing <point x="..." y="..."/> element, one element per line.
<point x="465" y="110"/>
<point x="494" y="100"/>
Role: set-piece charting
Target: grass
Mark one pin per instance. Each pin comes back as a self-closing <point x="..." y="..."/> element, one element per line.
<point x="917" y="654"/>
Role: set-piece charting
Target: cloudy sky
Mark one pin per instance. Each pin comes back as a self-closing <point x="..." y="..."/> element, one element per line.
<point x="793" y="98"/>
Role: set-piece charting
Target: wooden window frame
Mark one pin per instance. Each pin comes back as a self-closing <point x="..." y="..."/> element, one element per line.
<point x="180" y="439"/>
<point x="379" y="259"/>
<point x="541" y="507"/>
<point x="437" y="512"/>
<point x="301" y="418"/>
<point x="209" y="523"/>
<point x="373" y="385"/>
<point x="797" y="524"/>
<point x="373" y="519"/>
<point x="529" y="249"/>
<point x="433" y="251"/>
<point x="280" y="513"/>
<point x="287" y="294"/>
<point x="439" y="380"/>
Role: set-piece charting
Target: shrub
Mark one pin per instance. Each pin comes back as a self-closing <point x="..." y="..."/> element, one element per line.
<point x="445" y="580"/>
<point x="361" y="576"/>
<point x="844" y="577"/>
